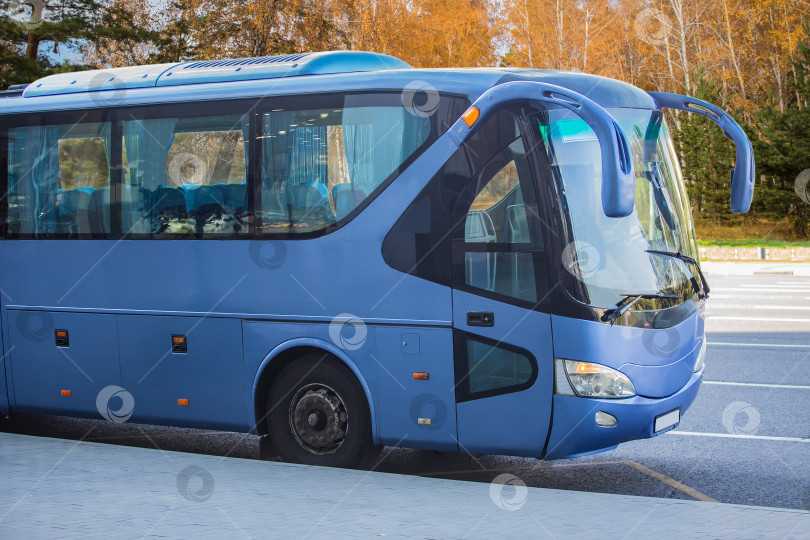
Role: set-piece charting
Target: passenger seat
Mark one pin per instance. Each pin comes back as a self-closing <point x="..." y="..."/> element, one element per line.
<point x="76" y="212"/>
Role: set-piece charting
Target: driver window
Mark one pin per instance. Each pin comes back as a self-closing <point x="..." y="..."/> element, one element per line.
<point x="499" y="244"/>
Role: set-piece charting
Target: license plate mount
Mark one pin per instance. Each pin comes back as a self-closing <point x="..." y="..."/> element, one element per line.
<point x="665" y="421"/>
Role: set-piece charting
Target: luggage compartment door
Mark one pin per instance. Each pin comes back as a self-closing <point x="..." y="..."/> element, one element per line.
<point x="184" y="371"/>
<point x="61" y="361"/>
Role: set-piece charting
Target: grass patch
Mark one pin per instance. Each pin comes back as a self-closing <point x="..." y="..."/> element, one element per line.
<point x="748" y="232"/>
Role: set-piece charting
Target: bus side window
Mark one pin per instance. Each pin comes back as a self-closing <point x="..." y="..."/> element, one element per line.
<point x="185" y="176"/>
<point x="478" y="216"/>
<point x="490" y="368"/>
<point x="319" y="165"/>
<point x="56" y="173"/>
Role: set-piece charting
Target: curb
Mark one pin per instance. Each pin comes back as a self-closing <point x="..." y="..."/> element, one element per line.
<point x="717" y="253"/>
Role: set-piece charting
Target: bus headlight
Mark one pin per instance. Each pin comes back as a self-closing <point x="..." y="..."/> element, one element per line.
<point x="701" y="358"/>
<point x="597" y="381"/>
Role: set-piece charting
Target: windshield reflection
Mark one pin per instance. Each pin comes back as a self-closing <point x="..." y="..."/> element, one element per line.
<point x="609" y="255"/>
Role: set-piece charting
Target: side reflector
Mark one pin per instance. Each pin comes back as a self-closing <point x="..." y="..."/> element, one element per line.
<point x="61" y="338"/>
<point x="470" y="116"/>
<point x="182" y="402"/>
<point x="66" y="393"/>
<point x="421" y="376"/>
<point x="423" y="421"/>
<point x="179" y="344"/>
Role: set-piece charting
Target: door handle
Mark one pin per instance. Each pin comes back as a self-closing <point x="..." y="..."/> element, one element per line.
<point x="480" y="318"/>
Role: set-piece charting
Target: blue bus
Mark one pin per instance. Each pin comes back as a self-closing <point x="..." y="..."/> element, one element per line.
<point x="338" y="252"/>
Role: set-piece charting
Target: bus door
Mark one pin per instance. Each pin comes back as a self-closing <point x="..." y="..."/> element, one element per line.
<point x="502" y="341"/>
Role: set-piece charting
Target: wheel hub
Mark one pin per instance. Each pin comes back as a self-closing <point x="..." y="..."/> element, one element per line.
<point x="318" y="419"/>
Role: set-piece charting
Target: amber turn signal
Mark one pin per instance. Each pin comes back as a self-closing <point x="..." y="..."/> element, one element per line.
<point x="470" y="116"/>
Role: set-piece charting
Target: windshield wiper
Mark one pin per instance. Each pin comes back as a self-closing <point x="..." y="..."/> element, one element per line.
<point x="652" y="171"/>
<point x="702" y="291"/>
<point x="629" y="301"/>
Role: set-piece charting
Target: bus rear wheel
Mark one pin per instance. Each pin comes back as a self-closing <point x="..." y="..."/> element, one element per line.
<point x="318" y="415"/>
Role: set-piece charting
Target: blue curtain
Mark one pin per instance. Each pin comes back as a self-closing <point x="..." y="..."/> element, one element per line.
<point x="36" y="177"/>
<point x="377" y="140"/>
<point x="308" y="157"/>
<point x="276" y="151"/>
<point x="147" y="143"/>
<point x="292" y="154"/>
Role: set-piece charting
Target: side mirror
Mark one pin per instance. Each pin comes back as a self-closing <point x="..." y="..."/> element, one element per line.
<point x="744" y="173"/>
<point x="618" y="177"/>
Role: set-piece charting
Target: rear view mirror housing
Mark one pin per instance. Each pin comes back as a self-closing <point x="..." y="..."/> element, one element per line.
<point x="618" y="177"/>
<point x="744" y="173"/>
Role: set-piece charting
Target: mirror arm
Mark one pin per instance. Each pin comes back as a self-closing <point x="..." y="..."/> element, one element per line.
<point x="744" y="173"/>
<point x="618" y="177"/>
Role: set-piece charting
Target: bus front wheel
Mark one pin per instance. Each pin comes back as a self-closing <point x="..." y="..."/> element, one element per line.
<point x="318" y="415"/>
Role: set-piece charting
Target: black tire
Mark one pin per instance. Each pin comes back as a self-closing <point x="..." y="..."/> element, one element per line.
<point x="267" y="450"/>
<point x="318" y="414"/>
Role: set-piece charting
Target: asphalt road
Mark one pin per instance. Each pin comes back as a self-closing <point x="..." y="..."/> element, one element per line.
<point x="745" y="440"/>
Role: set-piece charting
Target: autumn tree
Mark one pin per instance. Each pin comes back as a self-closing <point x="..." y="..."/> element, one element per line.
<point x="426" y="33"/>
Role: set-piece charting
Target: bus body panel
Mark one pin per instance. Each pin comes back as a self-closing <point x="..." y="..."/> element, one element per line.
<point x="659" y="362"/>
<point x="406" y="404"/>
<point x="61" y="380"/>
<point x="471" y="82"/>
<point x="218" y="278"/>
<point x="574" y="430"/>
<point x="4" y="365"/>
<point x="673" y="385"/>
<point x="209" y="376"/>
<point x="384" y="359"/>
<point x="490" y="424"/>
<point x="263" y="341"/>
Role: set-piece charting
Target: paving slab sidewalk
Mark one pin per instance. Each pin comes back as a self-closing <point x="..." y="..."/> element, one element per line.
<point x="66" y="489"/>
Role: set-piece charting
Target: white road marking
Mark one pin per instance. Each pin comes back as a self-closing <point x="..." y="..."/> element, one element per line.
<point x="775" y="285"/>
<point x="758" y="289"/>
<point x="768" y="345"/>
<point x="766" y="319"/>
<point x="740" y="436"/>
<point x="712" y="296"/>
<point x="759" y="385"/>
<point x="743" y="306"/>
<point x="800" y="283"/>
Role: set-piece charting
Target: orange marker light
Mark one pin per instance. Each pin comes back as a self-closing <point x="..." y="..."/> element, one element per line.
<point x="421" y="376"/>
<point x="61" y="333"/>
<point x="470" y="116"/>
<point x="178" y="339"/>
<point x="182" y="402"/>
<point x="66" y="393"/>
<point x="584" y="367"/>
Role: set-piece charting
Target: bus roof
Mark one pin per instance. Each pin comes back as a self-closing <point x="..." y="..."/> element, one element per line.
<point x="303" y="73"/>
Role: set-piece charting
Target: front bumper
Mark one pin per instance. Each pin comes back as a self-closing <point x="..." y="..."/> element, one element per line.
<point x="574" y="431"/>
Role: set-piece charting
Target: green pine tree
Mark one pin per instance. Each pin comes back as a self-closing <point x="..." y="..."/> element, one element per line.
<point x="782" y="149"/>
<point x="707" y="157"/>
<point x="31" y="28"/>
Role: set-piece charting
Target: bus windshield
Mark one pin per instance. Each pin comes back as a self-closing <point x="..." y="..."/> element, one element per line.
<point x="611" y="256"/>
